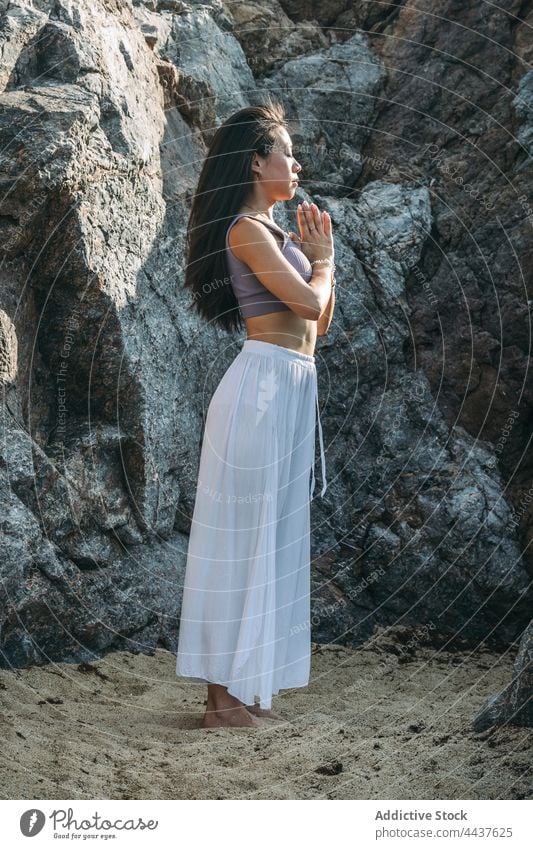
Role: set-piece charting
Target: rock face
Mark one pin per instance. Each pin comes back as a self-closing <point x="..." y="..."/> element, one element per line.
<point x="106" y="107"/>
<point x="515" y="704"/>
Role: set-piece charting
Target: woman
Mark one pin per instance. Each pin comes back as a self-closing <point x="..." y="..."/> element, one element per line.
<point x="245" y="618"/>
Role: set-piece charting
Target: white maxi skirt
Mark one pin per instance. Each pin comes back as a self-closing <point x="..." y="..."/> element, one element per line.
<point x="245" y="614"/>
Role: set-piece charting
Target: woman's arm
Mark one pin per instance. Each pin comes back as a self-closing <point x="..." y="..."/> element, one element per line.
<point x="324" y="320"/>
<point x="316" y="226"/>
<point x="252" y="243"/>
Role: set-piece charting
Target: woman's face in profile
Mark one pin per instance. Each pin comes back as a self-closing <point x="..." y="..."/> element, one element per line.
<point x="279" y="170"/>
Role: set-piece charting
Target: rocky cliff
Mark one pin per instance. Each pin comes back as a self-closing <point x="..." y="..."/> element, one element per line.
<point x="414" y="127"/>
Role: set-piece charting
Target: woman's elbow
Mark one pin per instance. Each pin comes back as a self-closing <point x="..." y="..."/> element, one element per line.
<point x="311" y="314"/>
<point x="323" y="324"/>
<point x="312" y="311"/>
<point x="307" y="311"/>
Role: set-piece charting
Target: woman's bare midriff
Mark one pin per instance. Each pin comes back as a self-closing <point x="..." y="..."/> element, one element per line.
<point x="284" y="328"/>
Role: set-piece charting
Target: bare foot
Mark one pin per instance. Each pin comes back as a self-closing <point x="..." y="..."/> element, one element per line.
<point x="229" y="718"/>
<point x="266" y="712"/>
<point x="224" y="710"/>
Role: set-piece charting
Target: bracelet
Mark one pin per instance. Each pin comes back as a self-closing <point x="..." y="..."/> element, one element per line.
<point x="333" y="268"/>
<point x="327" y="260"/>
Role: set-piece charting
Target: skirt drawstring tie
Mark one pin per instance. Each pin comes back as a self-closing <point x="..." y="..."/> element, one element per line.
<point x="322" y="457"/>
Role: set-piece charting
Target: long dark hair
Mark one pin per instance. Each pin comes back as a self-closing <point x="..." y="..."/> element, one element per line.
<point x="225" y="180"/>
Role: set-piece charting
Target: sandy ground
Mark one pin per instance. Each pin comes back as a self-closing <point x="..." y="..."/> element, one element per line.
<point x="370" y="725"/>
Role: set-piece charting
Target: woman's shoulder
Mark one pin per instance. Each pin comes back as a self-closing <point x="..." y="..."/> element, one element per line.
<point x="241" y="217"/>
<point x="245" y="228"/>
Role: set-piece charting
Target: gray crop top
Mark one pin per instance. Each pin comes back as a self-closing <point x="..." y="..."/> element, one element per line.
<point x="253" y="298"/>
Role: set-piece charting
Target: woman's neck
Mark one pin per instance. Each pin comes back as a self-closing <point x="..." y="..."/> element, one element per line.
<point x="246" y="207"/>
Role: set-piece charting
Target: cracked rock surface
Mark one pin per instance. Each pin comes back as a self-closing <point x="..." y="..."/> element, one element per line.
<point x="422" y="158"/>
